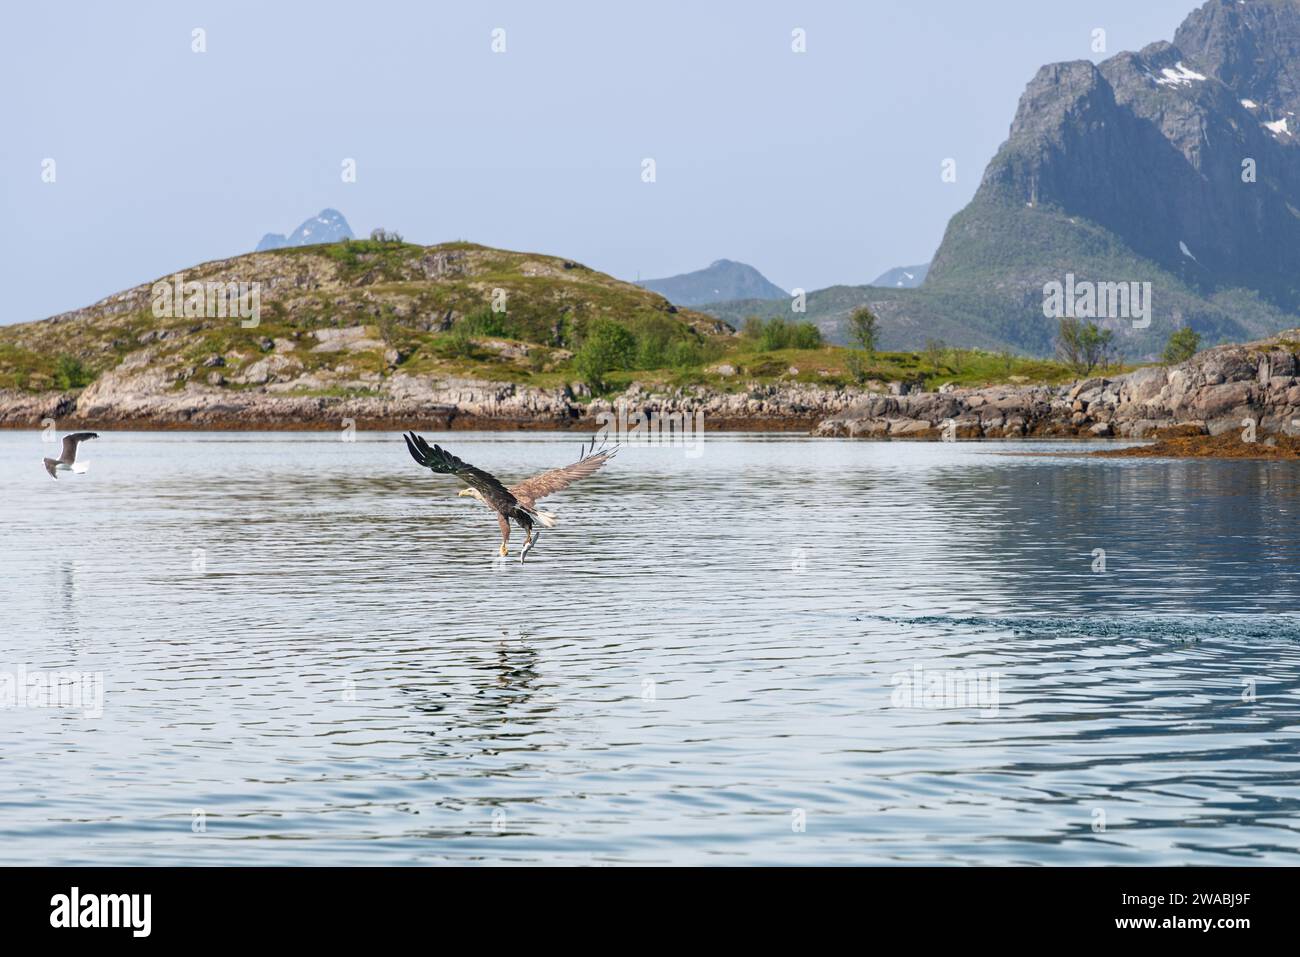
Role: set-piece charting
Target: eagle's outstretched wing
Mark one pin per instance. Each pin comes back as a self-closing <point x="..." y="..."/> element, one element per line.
<point x="439" y="459"/>
<point x="70" y="443"/>
<point x="543" y="484"/>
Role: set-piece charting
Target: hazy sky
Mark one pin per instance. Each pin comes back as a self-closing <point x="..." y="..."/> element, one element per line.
<point x="817" y="168"/>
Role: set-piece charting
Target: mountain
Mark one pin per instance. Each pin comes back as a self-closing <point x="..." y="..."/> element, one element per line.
<point x="903" y="277"/>
<point x="1175" y="165"/>
<point x="327" y="227"/>
<point x="1178" y="165"/>
<point x="722" y="280"/>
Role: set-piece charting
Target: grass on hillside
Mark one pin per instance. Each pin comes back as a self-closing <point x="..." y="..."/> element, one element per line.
<point x="795" y="354"/>
<point x="426" y="311"/>
<point x="830" y="366"/>
<point x="651" y="352"/>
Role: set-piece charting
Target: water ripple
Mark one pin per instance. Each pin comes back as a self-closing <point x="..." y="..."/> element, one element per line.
<point x="780" y="651"/>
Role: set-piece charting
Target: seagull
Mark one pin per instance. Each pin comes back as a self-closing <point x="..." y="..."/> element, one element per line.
<point x="518" y="502"/>
<point x="67" y="462"/>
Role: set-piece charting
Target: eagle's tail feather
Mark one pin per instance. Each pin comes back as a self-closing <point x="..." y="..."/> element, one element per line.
<point x="547" y="519"/>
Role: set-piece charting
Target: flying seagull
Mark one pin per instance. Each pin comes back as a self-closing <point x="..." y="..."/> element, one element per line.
<point x="518" y="502"/>
<point x="67" y="462"/>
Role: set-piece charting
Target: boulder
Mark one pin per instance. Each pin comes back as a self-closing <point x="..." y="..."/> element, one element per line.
<point x="903" y="427"/>
<point x="1217" y="399"/>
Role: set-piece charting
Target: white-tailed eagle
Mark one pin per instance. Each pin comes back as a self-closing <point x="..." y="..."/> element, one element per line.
<point x="517" y="502"/>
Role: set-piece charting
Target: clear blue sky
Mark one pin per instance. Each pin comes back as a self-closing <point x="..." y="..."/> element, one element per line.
<point x="817" y="168"/>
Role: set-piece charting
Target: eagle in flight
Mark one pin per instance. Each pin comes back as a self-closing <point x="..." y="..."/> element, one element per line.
<point x="518" y="502"/>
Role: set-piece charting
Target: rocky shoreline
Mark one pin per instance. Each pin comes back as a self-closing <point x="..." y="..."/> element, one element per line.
<point x="438" y="404"/>
<point x="1213" y="393"/>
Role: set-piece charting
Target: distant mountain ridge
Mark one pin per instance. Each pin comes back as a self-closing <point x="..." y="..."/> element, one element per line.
<point x="722" y="280"/>
<point x="328" y="226"/>
<point x="903" y="277"/>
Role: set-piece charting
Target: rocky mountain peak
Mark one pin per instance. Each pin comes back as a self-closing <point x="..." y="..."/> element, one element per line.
<point x="1177" y="162"/>
<point x="1252" y="46"/>
<point x="1060" y="91"/>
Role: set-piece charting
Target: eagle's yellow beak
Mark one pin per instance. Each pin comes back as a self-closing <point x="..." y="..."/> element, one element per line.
<point x="465" y="491"/>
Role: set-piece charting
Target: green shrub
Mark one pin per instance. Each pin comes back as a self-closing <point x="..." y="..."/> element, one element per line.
<point x="1182" y="345"/>
<point x="805" y="335"/>
<point x="691" y="354"/>
<point x="457" y="343"/>
<point x="486" y="322"/>
<point x="752" y="328"/>
<point x="776" y="334"/>
<point x="652" y="352"/>
<point x="606" y="347"/>
<point x="69" y="373"/>
<point x="769" y="335"/>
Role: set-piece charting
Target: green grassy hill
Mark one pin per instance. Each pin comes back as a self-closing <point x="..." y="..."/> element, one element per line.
<point x="348" y="317"/>
<point x="367" y="307"/>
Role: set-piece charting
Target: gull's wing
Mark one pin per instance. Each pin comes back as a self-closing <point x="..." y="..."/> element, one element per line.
<point x="70" y="443"/>
<point x="438" y="459"/>
<point x="49" y="467"/>
<point x="544" y="483"/>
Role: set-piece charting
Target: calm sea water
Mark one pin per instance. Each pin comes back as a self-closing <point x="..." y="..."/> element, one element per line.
<point x="782" y="650"/>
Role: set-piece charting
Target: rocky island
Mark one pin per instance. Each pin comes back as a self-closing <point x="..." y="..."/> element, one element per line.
<point x="385" y="334"/>
<point x="389" y="334"/>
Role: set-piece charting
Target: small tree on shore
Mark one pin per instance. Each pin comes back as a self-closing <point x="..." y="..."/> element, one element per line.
<point x="1182" y="345"/>
<point x="864" y="329"/>
<point x="1084" y="346"/>
<point x="858" y="368"/>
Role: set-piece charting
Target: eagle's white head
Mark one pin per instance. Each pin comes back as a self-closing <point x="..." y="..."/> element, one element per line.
<point x="471" y="492"/>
